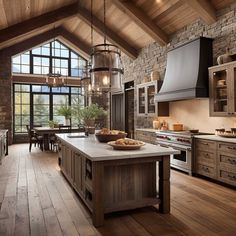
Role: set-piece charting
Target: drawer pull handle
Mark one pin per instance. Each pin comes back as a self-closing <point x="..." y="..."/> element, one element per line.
<point x="232" y="177"/>
<point x="205" y="144"/>
<point x="232" y="148"/>
<point x="232" y="162"/>
<point x="205" y="169"/>
<point x="207" y="155"/>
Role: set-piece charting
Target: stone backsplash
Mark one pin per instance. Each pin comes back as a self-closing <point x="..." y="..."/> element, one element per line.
<point x="153" y="56"/>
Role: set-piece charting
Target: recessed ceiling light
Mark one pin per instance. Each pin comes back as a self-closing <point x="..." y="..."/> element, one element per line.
<point x="158" y="1"/>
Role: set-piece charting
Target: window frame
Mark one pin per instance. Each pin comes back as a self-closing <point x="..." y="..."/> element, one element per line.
<point x="52" y="57"/>
<point x="31" y="104"/>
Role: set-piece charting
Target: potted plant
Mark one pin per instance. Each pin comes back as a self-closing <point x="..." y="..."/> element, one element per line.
<point x="90" y="113"/>
<point x="65" y="110"/>
<point x="52" y="123"/>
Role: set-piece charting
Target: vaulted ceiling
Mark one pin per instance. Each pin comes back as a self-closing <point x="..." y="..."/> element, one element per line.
<point x="131" y="24"/>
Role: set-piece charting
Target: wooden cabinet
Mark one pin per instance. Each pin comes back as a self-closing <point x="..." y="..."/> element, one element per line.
<point x="3" y="144"/>
<point x="216" y="160"/>
<point x="227" y="163"/>
<point x="223" y="90"/>
<point x="78" y="171"/>
<point x="205" y="158"/>
<point x="146" y="106"/>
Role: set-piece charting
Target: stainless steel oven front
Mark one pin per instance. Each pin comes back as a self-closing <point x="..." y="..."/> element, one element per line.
<point x="182" y="161"/>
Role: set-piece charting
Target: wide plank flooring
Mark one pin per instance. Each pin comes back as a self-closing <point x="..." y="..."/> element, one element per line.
<point x="35" y="199"/>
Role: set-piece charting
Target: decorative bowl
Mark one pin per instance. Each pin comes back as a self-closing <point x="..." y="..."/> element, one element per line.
<point x="126" y="147"/>
<point x="104" y="138"/>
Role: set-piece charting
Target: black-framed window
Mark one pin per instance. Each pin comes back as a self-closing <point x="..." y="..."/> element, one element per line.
<point x="52" y="57"/>
<point x="21" y="107"/>
<point x="21" y="63"/>
<point x="37" y="104"/>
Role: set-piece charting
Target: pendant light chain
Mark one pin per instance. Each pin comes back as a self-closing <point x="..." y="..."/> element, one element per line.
<point x="91" y="21"/>
<point x="105" y="39"/>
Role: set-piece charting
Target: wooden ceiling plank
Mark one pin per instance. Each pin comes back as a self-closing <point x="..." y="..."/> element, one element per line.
<point x="3" y="18"/>
<point x="37" y="22"/>
<point x="204" y="9"/>
<point x="43" y="37"/>
<point x="172" y="8"/>
<point x="142" y="20"/>
<point x="114" y="38"/>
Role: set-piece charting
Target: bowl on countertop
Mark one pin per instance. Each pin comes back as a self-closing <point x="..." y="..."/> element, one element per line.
<point x="104" y="138"/>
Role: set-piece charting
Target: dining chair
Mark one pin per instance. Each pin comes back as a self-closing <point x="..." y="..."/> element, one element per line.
<point x="64" y="128"/>
<point x="34" y="138"/>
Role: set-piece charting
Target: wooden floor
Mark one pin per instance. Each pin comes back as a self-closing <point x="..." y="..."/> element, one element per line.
<point x="35" y="199"/>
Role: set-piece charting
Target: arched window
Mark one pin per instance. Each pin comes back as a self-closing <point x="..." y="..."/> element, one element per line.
<point x="52" y="57"/>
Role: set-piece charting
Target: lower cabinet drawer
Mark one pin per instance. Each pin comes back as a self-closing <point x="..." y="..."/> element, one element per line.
<point x="206" y="158"/>
<point x="227" y="177"/>
<point x="227" y="147"/>
<point x="227" y="161"/>
<point x="205" y="145"/>
<point x="206" y="170"/>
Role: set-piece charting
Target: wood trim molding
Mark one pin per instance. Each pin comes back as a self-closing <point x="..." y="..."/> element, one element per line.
<point x="142" y="20"/>
<point x="84" y="15"/>
<point x="37" y="22"/>
<point x="41" y="38"/>
<point x="204" y="9"/>
<point x="32" y="79"/>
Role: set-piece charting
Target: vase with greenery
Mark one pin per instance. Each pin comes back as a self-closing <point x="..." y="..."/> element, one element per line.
<point x="90" y="113"/>
<point x="52" y="123"/>
<point x="65" y="110"/>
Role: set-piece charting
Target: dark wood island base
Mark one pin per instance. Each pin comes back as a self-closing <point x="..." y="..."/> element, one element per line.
<point x="111" y="185"/>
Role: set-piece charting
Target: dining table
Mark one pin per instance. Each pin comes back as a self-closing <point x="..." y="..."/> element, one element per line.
<point x="47" y="131"/>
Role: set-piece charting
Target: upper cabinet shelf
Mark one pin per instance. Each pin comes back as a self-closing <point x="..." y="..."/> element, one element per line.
<point x="146" y="106"/>
<point x="223" y="89"/>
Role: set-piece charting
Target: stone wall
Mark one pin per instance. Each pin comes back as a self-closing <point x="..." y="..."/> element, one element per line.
<point x="153" y="56"/>
<point x="5" y="95"/>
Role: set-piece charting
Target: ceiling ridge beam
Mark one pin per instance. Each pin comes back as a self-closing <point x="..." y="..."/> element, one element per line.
<point x="113" y="37"/>
<point x="44" y="37"/>
<point x="204" y="9"/>
<point x="37" y="22"/>
<point x="142" y="20"/>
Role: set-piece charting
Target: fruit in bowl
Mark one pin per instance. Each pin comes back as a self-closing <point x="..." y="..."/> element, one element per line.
<point x="106" y="135"/>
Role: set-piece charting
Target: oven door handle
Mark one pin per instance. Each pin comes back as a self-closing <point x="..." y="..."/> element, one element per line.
<point x="177" y="147"/>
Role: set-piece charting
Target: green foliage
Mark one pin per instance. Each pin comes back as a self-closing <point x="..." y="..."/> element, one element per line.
<point x="52" y="123"/>
<point x="64" y="110"/>
<point x="92" y="112"/>
<point x="76" y="110"/>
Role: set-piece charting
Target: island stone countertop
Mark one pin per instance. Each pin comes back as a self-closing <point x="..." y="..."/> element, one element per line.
<point x="216" y="138"/>
<point x="96" y="151"/>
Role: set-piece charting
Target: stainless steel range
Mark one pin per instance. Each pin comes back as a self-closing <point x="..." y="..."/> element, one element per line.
<point x="182" y="141"/>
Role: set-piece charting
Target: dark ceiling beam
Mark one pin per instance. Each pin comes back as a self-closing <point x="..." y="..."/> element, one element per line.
<point x="142" y="20"/>
<point x="204" y="9"/>
<point x="74" y="40"/>
<point x="113" y="37"/>
<point x="43" y="37"/>
<point x="37" y="22"/>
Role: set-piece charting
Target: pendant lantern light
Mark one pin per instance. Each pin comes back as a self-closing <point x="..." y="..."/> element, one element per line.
<point x="106" y="65"/>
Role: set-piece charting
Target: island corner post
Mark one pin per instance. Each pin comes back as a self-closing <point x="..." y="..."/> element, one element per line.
<point x="109" y="181"/>
<point x="143" y="192"/>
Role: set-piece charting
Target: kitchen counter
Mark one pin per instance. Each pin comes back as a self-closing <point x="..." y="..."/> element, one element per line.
<point x="96" y="151"/>
<point x="110" y="180"/>
<point x="216" y="138"/>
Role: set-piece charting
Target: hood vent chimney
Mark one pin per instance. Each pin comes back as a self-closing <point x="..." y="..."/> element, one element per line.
<point x="186" y="74"/>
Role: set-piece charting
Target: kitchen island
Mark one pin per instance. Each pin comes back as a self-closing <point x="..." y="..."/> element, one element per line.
<point x="109" y="180"/>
